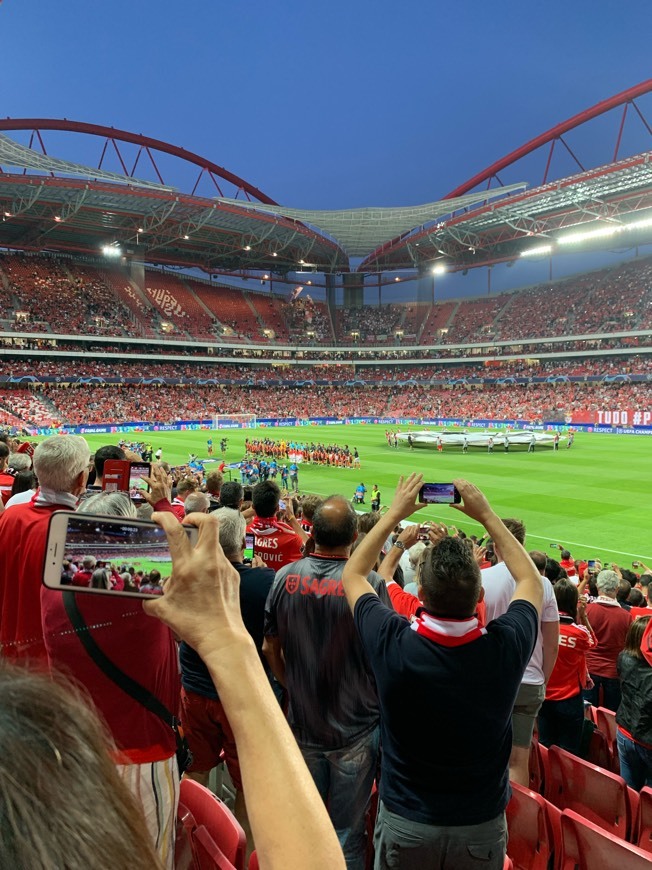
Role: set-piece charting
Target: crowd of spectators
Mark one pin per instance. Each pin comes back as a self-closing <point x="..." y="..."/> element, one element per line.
<point x="318" y="642"/>
<point x="95" y="403"/>
<point x="60" y="296"/>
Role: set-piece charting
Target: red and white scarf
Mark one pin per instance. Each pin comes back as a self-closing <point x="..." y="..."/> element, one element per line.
<point x="447" y="632"/>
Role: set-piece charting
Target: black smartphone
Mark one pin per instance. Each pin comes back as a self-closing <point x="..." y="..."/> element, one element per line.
<point x="439" y="493"/>
<point x="250" y="542"/>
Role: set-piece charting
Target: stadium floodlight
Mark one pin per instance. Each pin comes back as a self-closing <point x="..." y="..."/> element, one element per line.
<point x="639" y="225"/>
<point x="247" y="248"/>
<point x="274" y="254"/>
<point x="439" y="269"/>
<point x="186" y="237"/>
<point x="535" y="252"/>
<point x="111" y="251"/>
<point x="600" y="233"/>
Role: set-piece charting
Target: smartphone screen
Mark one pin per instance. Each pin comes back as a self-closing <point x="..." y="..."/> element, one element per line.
<point x="137" y="471"/>
<point x="439" y="493"/>
<point x="591" y="563"/>
<point x="109" y="555"/>
<point x="249" y="549"/>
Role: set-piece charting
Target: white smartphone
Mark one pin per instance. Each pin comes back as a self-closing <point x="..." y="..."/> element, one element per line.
<point x="107" y="555"/>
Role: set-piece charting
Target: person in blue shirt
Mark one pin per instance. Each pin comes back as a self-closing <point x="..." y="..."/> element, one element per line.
<point x="294" y="477"/>
<point x="360" y="491"/>
<point x="284" y="476"/>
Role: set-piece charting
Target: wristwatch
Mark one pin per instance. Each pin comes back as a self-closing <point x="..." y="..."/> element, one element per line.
<point x="400" y="545"/>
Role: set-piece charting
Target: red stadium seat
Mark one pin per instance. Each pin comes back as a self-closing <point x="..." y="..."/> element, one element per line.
<point x="589" y="847"/>
<point x="644" y="836"/>
<point x="600" y="796"/>
<point x="220" y="825"/>
<point x="538" y="767"/>
<point x="606" y="722"/>
<point x="530" y="844"/>
<point x="253" y="862"/>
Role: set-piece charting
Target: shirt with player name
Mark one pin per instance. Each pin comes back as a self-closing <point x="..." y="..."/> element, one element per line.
<point x="569" y="676"/>
<point x="331" y="689"/>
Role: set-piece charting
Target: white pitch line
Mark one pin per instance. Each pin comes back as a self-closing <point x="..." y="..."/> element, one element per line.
<point x="548" y="537"/>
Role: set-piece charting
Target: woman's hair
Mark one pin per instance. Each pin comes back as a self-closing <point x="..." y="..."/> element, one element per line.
<point x="100" y="579"/>
<point x="634" y="637"/>
<point x="23" y="481"/>
<point x="62" y="802"/>
<point x="567" y="596"/>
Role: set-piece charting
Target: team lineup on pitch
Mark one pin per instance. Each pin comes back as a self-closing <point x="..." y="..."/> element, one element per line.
<point x="591" y="497"/>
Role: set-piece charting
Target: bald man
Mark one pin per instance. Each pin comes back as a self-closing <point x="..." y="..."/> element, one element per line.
<point x="314" y="651"/>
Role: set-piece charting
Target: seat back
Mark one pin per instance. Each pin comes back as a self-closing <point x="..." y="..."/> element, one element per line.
<point x="530" y="842"/>
<point x="253" y="861"/>
<point x="645" y="819"/>
<point x="598" y="795"/>
<point x="538" y="767"/>
<point x="218" y="820"/>
<point x="606" y="722"/>
<point x="588" y="847"/>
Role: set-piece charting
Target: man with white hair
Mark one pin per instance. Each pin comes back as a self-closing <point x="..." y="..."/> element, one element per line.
<point x="61" y="464"/>
<point x="204" y="723"/>
<point x="610" y="623"/>
<point x="196" y="503"/>
<point x="18" y="462"/>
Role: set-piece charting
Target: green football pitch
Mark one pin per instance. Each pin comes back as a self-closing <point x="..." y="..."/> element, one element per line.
<point x="591" y="498"/>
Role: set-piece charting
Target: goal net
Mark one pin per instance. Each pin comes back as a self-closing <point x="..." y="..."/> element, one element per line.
<point x="234" y="421"/>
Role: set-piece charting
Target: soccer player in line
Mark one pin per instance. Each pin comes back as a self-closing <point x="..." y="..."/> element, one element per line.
<point x="209" y="446"/>
<point x="356" y="458"/>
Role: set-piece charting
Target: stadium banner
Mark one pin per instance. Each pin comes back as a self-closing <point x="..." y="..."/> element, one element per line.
<point x="270" y="422"/>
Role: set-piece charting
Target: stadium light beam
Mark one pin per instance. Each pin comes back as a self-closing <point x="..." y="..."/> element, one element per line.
<point x="538" y="251"/>
<point x="439" y="269"/>
<point x="111" y="251"/>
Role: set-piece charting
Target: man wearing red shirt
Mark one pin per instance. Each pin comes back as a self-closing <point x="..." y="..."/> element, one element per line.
<point x="277" y="543"/>
<point x="61" y="464"/>
<point x="610" y="623"/>
<point x="84" y="576"/>
<point x="6" y="479"/>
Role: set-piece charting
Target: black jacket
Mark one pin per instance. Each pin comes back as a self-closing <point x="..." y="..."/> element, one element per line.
<point x="635" y="711"/>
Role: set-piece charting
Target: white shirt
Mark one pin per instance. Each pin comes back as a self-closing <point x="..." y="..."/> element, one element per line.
<point x="21" y="498"/>
<point x="499" y="586"/>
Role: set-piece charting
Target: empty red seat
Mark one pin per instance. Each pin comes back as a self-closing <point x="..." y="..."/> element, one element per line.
<point x="606" y="722"/>
<point x="219" y="824"/>
<point x="530" y="845"/>
<point x="645" y="819"/>
<point x="587" y="846"/>
<point x="599" y="795"/>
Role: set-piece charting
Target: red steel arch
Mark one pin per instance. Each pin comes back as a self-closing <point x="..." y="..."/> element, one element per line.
<point x="624" y="98"/>
<point x="111" y="134"/>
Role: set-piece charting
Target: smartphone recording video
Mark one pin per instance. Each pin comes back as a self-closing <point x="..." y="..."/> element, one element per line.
<point x="137" y="471"/>
<point x="107" y="555"/>
<point x="439" y="493"/>
<point x="249" y="553"/>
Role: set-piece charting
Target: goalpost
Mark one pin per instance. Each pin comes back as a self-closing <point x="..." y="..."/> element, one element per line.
<point x="234" y="421"/>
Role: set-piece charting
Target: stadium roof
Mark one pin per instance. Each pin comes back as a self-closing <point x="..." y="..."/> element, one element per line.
<point x="600" y="200"/>
<point x="47" y="203"/>
<point x="360" y="230"/>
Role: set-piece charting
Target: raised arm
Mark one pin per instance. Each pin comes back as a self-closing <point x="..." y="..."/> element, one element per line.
<point x="364" y="557"/>
<point x="529" y="586"/>
<point x="201" y="604"/>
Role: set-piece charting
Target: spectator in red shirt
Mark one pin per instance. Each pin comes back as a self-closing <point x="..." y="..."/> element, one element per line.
<point x="562" y="714"/>
<point x="146" y="756"/>
<point x="84" y="576"/>
<point x="610" y="623"/>
<point x="278" y="543"/>
<point x="61" y="465"/>
<point x="6" y="479"/>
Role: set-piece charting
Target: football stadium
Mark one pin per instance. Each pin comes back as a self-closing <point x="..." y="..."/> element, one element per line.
<point x="420" y="623"/>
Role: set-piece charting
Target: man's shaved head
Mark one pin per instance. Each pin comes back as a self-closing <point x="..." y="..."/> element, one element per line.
<point x="335" y="523"/>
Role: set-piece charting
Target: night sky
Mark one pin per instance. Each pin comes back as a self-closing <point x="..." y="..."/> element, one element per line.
<point x="333" y="105"/>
